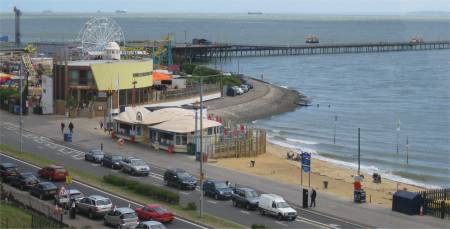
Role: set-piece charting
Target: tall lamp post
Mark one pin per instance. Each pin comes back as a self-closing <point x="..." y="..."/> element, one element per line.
<point x="133" y="97"/>
<point x="398" y="132"/>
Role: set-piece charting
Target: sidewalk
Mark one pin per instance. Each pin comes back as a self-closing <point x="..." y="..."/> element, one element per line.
<point x="88" y="136"/>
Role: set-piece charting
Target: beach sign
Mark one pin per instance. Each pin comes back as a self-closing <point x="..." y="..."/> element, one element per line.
<point x="306" y="162"/>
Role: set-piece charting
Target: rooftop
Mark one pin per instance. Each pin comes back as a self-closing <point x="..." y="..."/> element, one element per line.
<point x="90" y="62"/>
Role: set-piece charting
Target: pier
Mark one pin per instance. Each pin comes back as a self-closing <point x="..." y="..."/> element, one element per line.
<point x="227" y="51"/>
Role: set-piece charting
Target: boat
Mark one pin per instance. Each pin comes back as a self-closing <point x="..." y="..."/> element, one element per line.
<point x="416" y="40"/>
<point x="312" y="39"/>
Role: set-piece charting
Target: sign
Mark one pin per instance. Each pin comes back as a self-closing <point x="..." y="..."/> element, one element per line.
<point x="102" y="94"/>
<point x="139" y="116"/>
<point x="69" y="179"/>
<point x="306" y="162"/>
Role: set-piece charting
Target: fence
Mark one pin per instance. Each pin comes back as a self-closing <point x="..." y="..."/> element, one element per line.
<point x="189" y="91"/>
<point x="437" y="202"/>
<point x="250" y="144"/>
<point x="43" y="215"/>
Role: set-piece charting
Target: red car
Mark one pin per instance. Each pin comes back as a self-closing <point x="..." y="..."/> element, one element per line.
<point x="54" y="173"/>
<point x="154" y="212"/>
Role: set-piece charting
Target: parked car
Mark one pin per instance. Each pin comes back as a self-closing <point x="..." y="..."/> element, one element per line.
<point x="24" y="180"/>
<point x="154" y="212"/>
<point x="112" y="161"/>
<point x="121" y="218"/>
<point x="217" y="189"/>
<point x="245" y="197"/>
<point x="66" y="200"/>
<point x="238" y="90"/>
<point x="275" y="205"/>
<point x="54" y="173"/>
<point x="245" y="88"/>
<point x="150" y="225"/>
<point x="135" y="166"/>
<point x="43" y="190"/>
<point x="7" y="170"/>
<point x="94" y="205"/>
<point x="95" y="155"/>
<point x="180" y="179"/>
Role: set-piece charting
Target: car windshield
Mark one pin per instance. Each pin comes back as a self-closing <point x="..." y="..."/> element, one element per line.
<point x="137" y="162"/>
<point x="117" y="158"/>
<point x="251" y="194"/>
<point x="48" y="186"/>
<point x="221" y="185"/>
<point x="183" y="175"/>
<point x="103" y="202"/>
<point x="129" y="215"/>
<point x="159" y="226"/>
<point x="97" y="152"/>
<point x="282" y="205"/>
<point x="76" y="195"/>
<point x="11" y="169"/>
<point x="61" y="170"/>
<point x="159" y="210"/>
<point x="30" y="177"/>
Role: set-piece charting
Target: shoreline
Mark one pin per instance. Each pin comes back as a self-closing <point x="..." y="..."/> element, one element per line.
<point x="270" y="100"/>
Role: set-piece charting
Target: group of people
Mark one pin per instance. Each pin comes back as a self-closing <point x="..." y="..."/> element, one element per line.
<point x="63" y="126"/>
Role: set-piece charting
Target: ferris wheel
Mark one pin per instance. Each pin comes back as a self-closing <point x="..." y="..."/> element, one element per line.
<point x="98" y="32"/>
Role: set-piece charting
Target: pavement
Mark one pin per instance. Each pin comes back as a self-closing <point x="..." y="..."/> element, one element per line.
<point x="331" y="211"/>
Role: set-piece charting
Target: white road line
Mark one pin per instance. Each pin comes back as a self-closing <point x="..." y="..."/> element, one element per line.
<point x="245" y="212"/>
<point x="110" y="194"/>
<point x="331" y="217"/>
<point x="213" y="202"/>
<point x="334" y="225"/>
<point x="312" y="222"/>
<point x="281" y="223"/>
<point x="184" y="193"/>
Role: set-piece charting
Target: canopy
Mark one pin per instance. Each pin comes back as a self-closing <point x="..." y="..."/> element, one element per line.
<point x="155" y="117"/>
<point x="5" y="77"/>
<point x="184" y="125"/>
<point x="158" y="76"/>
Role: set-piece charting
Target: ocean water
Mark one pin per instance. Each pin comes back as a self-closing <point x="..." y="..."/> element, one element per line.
<point x="370" y="91"/>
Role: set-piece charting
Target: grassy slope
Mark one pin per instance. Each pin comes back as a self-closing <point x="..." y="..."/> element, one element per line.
<point x="13" y="217"/>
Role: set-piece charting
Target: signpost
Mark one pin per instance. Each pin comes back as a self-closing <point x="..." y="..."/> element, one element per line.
<point x="306" y="166"/>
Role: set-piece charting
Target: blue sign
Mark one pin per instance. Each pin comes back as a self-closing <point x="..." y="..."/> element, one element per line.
<point x="306" y="162"/>
<point x="4" y="38"/>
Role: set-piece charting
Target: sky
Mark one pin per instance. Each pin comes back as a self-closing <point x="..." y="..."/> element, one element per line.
<point x="359" y="7"/>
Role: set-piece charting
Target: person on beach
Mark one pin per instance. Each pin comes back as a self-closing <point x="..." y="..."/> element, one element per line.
<point x="62" y="127"/>
<point x="71" y="127"/>
<point x="313" y="198"/>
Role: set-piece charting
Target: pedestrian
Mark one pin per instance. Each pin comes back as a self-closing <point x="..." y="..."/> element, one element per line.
<point x="313" y="198"/>
<point x="71" y="127"/>
<point x="62" y="127"/>
<point x="101" y="124"/>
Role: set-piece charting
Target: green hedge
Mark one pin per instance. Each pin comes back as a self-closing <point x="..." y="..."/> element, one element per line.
<point x="259" y="226"/>
<point x="144" y="189"/>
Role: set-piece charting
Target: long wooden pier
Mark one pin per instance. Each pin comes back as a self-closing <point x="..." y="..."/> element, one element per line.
<point x="226" y="51"/>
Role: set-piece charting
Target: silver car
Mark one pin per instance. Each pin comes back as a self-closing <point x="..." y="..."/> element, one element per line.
<point x="150" y="225"/>
<point x="122" y="218"/>
<point x="94" y="205"/>
<point x="95" y="155"/>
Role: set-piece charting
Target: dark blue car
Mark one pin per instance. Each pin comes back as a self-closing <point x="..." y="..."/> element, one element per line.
<point x="217" y="189"/>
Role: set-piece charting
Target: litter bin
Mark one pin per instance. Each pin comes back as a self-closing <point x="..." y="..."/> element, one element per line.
<point x="359" y="196"/>
<point x="305" y="198"/>
<point x="325" y="184"/>
<point x="68" y="137"/>
<point x="407" y="202"/>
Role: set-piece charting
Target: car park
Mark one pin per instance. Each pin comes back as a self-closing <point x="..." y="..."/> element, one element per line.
<point x="245" y="197"/>
<point x="7" y="170"/>
<point x="65" y="198"/>
<point x="217" y="189"/>
<point x="44" y="190"/>
<point x="54" y="173"/>
<point x="95" y="155"/>
<point x="24" y="180"/>
<point x="154" y="212"/>
<point x="135" y="166"/>
<point x="275" y="205"/>
<point x="112" y="161"/>
<point x="150" y="225"/>
<point x="180" y="179"/>
<point x="121" y="218"/>
<point x="94" y="205"/>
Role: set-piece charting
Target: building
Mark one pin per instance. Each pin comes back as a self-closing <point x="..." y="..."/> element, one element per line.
<point x="91" y="86"/>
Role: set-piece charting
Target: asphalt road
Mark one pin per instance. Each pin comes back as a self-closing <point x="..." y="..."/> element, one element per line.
<point x="73" y="156"/>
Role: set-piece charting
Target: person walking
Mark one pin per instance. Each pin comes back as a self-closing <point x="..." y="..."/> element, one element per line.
<point x="313" y="198"/>
<point x="62" y="127"/>
<point x="101" y="124"/>
<point x="71" y="127"/>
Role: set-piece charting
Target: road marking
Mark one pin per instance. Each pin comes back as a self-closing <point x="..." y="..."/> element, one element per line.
<point x="281" y="223"/>
<point x="331" y="217"/>
<point x="333" y="225"/>
<point x="312" y="222"/>
<point x="107" y="193"/>
<point x="213" y="202"/>
<point x="96" y="165"/>
<point x="185" y="193"/>
<point x="245" y="212"/>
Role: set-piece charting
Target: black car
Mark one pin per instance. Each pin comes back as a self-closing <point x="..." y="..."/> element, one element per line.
<point x="217" y="189"/>
<point x="112" y="161"/>
<point x="245" y="197"/>
<point x="180" y="179"/>
<point x="24" y="180"/>
<point x="95" y="155"/>
<point x="44" y="190"/>
<point x="7" y="170"/>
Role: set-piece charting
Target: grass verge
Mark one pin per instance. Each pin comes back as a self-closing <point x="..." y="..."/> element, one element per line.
<point x="13" y="217"/>
<point x="207" y="219"/>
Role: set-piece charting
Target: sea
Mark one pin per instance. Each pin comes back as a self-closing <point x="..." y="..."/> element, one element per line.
<point x="398" y="100"/>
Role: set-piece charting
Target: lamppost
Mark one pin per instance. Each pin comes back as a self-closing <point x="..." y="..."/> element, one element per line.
<point x="335" y="123"/>
<point x="197" y="106"/>
<point x="398" y="132"/>
<point x="201" y="146"/>
<point x="133" y="97"/>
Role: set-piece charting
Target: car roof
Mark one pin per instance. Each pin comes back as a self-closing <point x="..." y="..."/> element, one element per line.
<point x="8" y="165"/>
<point x="56" y="166"/>
<point x="97" y="197"/>
<point x="274" y="197"/>
<point x="216" y="181"/>
<point x="151" y="223"/>
<point x="153" y="205"/>
<point x="73" y="191"/>
<point x="26" y="174"/>
<point x="47" y="183"/>
<point x="245" y="189"/>
<point x="125" y="210"/>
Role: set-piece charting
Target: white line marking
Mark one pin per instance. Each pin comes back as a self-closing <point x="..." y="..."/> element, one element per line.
<point x="312" y="222"/>
<point x="334" y="225"/>
<point x="110" y="194"/>
<point x="331" y="217"/>
<point x="184" y="193"/>
<point x="245" y="212"/>
<point x="279" y="222"/>
<point x="213" y="202"/>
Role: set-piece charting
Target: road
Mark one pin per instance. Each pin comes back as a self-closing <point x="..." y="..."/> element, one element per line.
<point x="73" y="156"/>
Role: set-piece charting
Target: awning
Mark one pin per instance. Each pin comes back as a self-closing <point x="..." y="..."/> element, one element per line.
<point x="121" y="74"/>
<point x="158" y="76"/>
<point x="155" y="117"/>
<point x="185" y="125"/>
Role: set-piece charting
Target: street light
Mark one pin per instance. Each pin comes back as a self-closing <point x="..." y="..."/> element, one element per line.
<point x="197" y="106"/>
<point x="398" y="132"/>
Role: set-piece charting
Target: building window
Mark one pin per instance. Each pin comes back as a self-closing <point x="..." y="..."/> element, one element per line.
<point x="209" y="131"/>
<point x="74" y="77"/>
<point x="138" y="130"/>
<point x="181" y="139"/>
<point x="90" y="78"/>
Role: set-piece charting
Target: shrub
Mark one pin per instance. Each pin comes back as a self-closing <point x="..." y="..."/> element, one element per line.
<point x="259" y="226"/>
<point x="188" y="68"/>
<point x="191" y="206"/>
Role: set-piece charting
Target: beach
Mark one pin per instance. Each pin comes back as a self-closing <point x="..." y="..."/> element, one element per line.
<point x="267" y="100"/>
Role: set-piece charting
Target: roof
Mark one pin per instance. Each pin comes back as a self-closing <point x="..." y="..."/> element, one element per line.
<point x="273" y="196"/>
<point x="158" y="76"/>
<point x="151" y="223"/>
<point x="115" y="75"/>
<point x="125" y="210"/>
<point x="184" y="125"/>
<point x="153" y="205"/>
<point x="55" y="166"/>
<point x="152" y="117"/>
<point x="97" y="197"/>
<point x="112" y="45"/>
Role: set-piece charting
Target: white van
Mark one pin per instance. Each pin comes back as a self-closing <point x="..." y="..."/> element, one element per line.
<point x="275" y="205"/>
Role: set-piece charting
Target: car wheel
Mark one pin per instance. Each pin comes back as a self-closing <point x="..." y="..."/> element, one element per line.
<point x="22" y="187"/>
<point x="41" y="196"/>
<point x="216" y="197"/>
<point x="102" y="164"/>
<point x="133" y="173"/>
<point x="166" y="183"/>
<point x="247" y="206"/>
<point x="234" y="203"/>
<point x="105" y="222"/>
<point x="280" y="217"/>
<point x="91" y="214"/>
<point x="262" y="212"/>
<point x="179" y="186"/>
